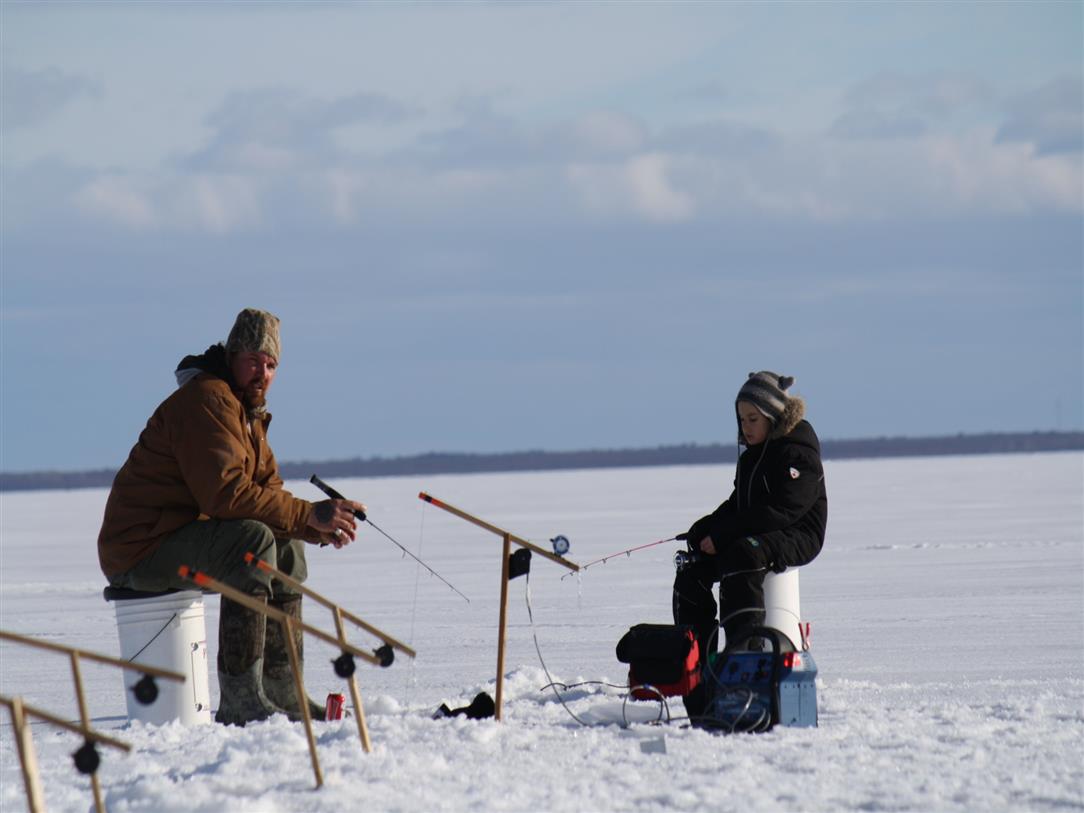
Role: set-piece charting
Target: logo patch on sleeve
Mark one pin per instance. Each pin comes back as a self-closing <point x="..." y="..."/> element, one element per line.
<point x="794" y="473"/>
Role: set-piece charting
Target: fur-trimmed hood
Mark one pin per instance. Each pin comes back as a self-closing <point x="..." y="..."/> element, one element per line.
<point x="793" y="414"/>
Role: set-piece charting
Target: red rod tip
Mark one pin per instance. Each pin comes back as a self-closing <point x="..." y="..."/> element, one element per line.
<point x="248" y="558"/>
<point x="183" y="571"/>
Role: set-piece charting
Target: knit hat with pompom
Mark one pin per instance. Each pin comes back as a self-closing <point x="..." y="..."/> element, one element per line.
<point x="767" y="392"/>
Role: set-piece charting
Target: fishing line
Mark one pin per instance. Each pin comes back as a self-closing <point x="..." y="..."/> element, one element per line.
<point x="664" y="707"/>
<point x="541" y="660"/>
<point x="414" y="605"/>
<point x="568" y="686"/>
<point x="335" y="495"/>
<point x="417" y="574"/>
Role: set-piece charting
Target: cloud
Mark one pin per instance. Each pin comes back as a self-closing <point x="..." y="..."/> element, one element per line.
<point x="712" y="90"/>
<point x="273" y="161"/>
<point x="872" y="123"/>
<point x="720" y="137"/>
<point x="892" y="105"/>
<point x="483" y="137"/>
<point x="820" y="179"/>
<point x="653" y="192"/>
<point x="936" y="94"/>
<point x="205" y="202"/>
<point x="602" y="132"/>
<point x="31" y="97"/>
<point x="1051" y="117"/>
<point x="119" y="200"/>
<point x="219" y="203"/>
<point x="641" y="186"/>
<point x="275" y="129"/>
<point x="480" y="137"/>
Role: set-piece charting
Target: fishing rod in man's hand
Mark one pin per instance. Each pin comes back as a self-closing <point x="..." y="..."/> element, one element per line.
<point x="335" y="495"/>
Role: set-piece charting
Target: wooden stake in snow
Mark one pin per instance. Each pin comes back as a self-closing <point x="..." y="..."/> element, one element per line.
<point x="274" y="614"/>
<point x="19" y="711"/>
<point x="27" y="760"/>
<point x="339" y="614"/>
<point x="506" y="555"/>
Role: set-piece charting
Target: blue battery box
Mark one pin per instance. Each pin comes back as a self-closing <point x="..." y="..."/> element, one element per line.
<point x="752" y="691"/>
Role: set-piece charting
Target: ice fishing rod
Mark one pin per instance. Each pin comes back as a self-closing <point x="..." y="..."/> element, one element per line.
<point x="627" y="552"/>
<point x="335" y="495"/>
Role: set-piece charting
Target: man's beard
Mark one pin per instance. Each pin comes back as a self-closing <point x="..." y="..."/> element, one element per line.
<point x="254" y="401"/>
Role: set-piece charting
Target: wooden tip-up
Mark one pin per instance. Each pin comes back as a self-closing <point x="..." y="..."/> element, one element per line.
<point x="130" y="666"/>
<point x="260" y="564"/>
<point x="272" y="613"/>
<point x="60" y="722"/>
<point x="481" y="523"/>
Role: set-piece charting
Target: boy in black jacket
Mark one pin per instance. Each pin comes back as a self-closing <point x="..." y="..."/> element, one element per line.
<point x="774" y="519"/>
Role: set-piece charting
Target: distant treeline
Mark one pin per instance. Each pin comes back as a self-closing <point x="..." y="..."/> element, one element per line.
<point x="461" y="463"/>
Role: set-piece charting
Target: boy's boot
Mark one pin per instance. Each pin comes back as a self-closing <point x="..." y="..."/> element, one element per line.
<point x="278" y="677"/>
<point x="240" y="665"/>
<point x="738" y="631"/>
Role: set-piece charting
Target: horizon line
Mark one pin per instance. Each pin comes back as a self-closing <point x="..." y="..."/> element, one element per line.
<point x="1074" y="439"/>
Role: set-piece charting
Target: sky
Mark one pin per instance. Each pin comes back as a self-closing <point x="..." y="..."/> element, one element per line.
<point x="538" y="225"/>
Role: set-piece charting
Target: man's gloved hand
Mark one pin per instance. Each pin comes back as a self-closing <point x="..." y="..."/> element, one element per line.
<point x="335" y="521"/>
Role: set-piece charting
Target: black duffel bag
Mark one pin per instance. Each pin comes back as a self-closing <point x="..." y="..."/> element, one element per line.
<point x="663" y="656"/>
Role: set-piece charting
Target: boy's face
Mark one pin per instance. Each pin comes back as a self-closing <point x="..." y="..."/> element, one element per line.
<point x="754" y="426"/>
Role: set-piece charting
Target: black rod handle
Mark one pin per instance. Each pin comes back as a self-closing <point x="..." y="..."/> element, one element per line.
<point x="335" y="495"/>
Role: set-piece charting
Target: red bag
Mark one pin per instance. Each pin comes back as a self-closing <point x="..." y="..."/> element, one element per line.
<point x="663" y="656"/>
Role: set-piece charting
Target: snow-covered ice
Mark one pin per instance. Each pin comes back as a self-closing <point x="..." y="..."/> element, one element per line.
<point x="947" y="613"/>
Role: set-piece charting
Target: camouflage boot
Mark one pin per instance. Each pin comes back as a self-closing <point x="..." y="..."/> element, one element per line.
<point x="240" y="665"/>
<point x="278" y="677"/>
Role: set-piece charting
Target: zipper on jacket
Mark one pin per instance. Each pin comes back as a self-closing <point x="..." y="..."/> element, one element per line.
<point x="752" y="477"/>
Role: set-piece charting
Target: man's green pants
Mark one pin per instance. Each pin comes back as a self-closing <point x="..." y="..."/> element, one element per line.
<point x="218" y="547"/>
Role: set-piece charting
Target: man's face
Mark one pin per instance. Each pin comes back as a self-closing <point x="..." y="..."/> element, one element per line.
<point x="253" y="374"/>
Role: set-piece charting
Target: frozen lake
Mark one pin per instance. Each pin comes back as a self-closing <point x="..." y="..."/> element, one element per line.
<point x="946" y="610"/>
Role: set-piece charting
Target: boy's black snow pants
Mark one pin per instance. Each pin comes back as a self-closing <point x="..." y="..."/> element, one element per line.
<point x="740" y="607"/>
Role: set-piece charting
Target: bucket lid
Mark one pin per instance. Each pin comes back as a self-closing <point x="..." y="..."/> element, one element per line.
<point x="112" y="593"/>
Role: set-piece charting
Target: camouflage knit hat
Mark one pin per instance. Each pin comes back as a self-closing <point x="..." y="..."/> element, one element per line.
<point x="767" y="392"/>
<point x="255" y="331"/>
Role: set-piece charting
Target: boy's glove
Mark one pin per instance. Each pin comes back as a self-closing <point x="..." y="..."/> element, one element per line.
<point x="693" y="536"/>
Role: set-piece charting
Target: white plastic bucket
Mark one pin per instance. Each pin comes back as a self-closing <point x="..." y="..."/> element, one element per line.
<point x="169" y="632"/>
<point x="782" y="604"/>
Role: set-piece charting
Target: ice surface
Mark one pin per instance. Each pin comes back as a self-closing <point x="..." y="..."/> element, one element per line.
<point x="946" y="611"/>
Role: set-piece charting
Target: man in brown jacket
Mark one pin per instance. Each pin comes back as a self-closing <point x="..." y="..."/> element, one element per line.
<point x="201" y="488"/>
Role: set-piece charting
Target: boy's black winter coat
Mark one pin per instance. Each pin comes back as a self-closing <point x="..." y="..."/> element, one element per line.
<point x="779" y="498"/>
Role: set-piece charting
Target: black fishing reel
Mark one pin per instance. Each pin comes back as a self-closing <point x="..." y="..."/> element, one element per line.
<point x="145" y="690"/>
<point x="385" y="654"/>
<point x="87" y="758"/>
<point x="686" y="558"/>
<point x="345" y="665"/>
